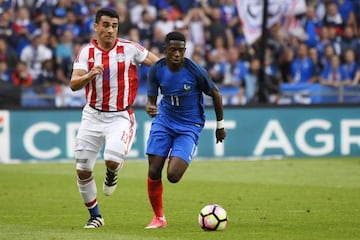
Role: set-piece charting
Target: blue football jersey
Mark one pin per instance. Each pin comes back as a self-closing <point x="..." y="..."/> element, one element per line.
<point x="182" y="91"/>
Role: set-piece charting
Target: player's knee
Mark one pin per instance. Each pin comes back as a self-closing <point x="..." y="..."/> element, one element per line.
<point x="115" y="166"/>
<point x="154" y="173"/>
<point x="173" y="178"/>
<point x="84" y="175"/>
<point x="85" y="160"/>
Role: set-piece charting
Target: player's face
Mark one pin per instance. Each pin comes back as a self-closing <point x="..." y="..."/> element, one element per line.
<point x="175" y="51"/>
<point x="107" y="30"/>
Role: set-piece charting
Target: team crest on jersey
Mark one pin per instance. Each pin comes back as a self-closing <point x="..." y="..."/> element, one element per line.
<point x="91" y="60"/>
<point x="121" y="57"/>
<point x="187" y="87"/>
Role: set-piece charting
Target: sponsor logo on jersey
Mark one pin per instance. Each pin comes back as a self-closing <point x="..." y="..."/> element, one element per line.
<point x="187" y="87"/>
<point x="121" y="57"/>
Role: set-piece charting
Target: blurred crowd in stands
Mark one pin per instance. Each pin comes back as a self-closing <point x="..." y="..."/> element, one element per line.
<point x="39" y="40"/>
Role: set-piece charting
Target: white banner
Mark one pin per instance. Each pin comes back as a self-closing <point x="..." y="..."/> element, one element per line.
<point x="251" y="14"/>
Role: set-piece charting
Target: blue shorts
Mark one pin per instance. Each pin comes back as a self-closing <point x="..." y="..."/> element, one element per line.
<point x="172" y="140"/>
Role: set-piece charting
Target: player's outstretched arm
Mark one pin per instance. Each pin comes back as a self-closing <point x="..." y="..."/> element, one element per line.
<point x="220" y="132"/>
<point x="150" y="59"/>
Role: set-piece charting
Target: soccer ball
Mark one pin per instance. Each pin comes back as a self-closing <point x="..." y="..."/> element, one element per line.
<point x="213" y="217"/>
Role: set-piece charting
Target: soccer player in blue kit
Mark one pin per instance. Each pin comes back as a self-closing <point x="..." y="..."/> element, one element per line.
<point x="178" y="119"/>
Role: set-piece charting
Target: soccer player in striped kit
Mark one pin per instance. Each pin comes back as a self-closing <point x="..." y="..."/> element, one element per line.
<point x="178" y="119"/>
<point x="107" y="69"/>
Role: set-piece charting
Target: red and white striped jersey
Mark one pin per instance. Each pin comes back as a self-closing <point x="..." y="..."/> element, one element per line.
<point x="116" y="88"/>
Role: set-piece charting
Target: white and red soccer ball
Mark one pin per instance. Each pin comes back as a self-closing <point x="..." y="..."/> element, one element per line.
<point x="213" y="217"/>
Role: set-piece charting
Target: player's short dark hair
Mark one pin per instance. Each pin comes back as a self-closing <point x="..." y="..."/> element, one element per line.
<point x="106" y="12"/>
<point x="174" y="36"/>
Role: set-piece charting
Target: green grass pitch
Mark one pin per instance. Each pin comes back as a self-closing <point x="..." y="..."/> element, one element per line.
<point x="289" y="199"/>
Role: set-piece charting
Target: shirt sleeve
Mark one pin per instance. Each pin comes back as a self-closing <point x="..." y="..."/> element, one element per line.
<point x="81" y="61"/>
<point x="206" y="84"/>
<point x="141" y="53"/>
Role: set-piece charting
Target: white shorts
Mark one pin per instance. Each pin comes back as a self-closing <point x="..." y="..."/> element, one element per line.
<point x="114" y="129"/>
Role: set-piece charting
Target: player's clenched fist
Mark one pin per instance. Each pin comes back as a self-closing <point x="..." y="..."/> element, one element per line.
<point x="220" y="135"/>
<point x="151" y="110"/>
<point x="96" y="70"/>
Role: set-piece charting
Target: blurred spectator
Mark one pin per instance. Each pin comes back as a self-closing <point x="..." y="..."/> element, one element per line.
<point x="157" y="39"/>
<point x="199" y="59"/>
<point x="88" y="23"/>
<point x="334" y="75"/>
<point x="217" y="61"/>
<point x="311" y="25"/>
<point x="349" y="40"/>
<point x="4" y="72"/>
<point x="160" y="4"/>
<point x="10" y="94"/>
<point x="236" y="69"/>
<point x="350" y="65"/>
<point x="71" y="25"/>
<point x="320" y="8"/>
<point x="184" y="29"/>
<point x="356" y="79"/>
<point x="219" y="28"/>
<point x="21" y="76"/>
<point x="346" y="10"/>
<point x="323" y="41"/>
<point x="125" y="24"/>
<point x="6" y="30"/>
<point x="329" y="52"/>
<point x="302" y="68"/>
<point x="137" y="12"/>
<point x="110" y="3"/>
<point x="285" y="63"/>
<point x="249" y="87"/>
<point x="333" y="18"/>
<point x="134" y="35"/>
<point x="335" y="39"/>
<point x="229" y="14"/>
<point x="65" y="97"/>
<point x="80" y="9"/>
<point x="23" y="25"/>
<point x="185" y="6"/>
<point x="47" y="77"/>
<point x="174" y="13"/>
<point x="197" y="22"/>
<point x="42" y="10"/>
<point x="5" y="5"/>
<point x="59" y="16"/>
<point x="357" y="16"/>
<point x="314" y="57"/>
<point x="271" y="77"/>
<point x="7" y="54"/>
<point x="35" y="54"/>
<point x="271" y="67"/>
<point x="63" y="50"/>
<point x="145" y="25"/>
<point x="163" y="22"/>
